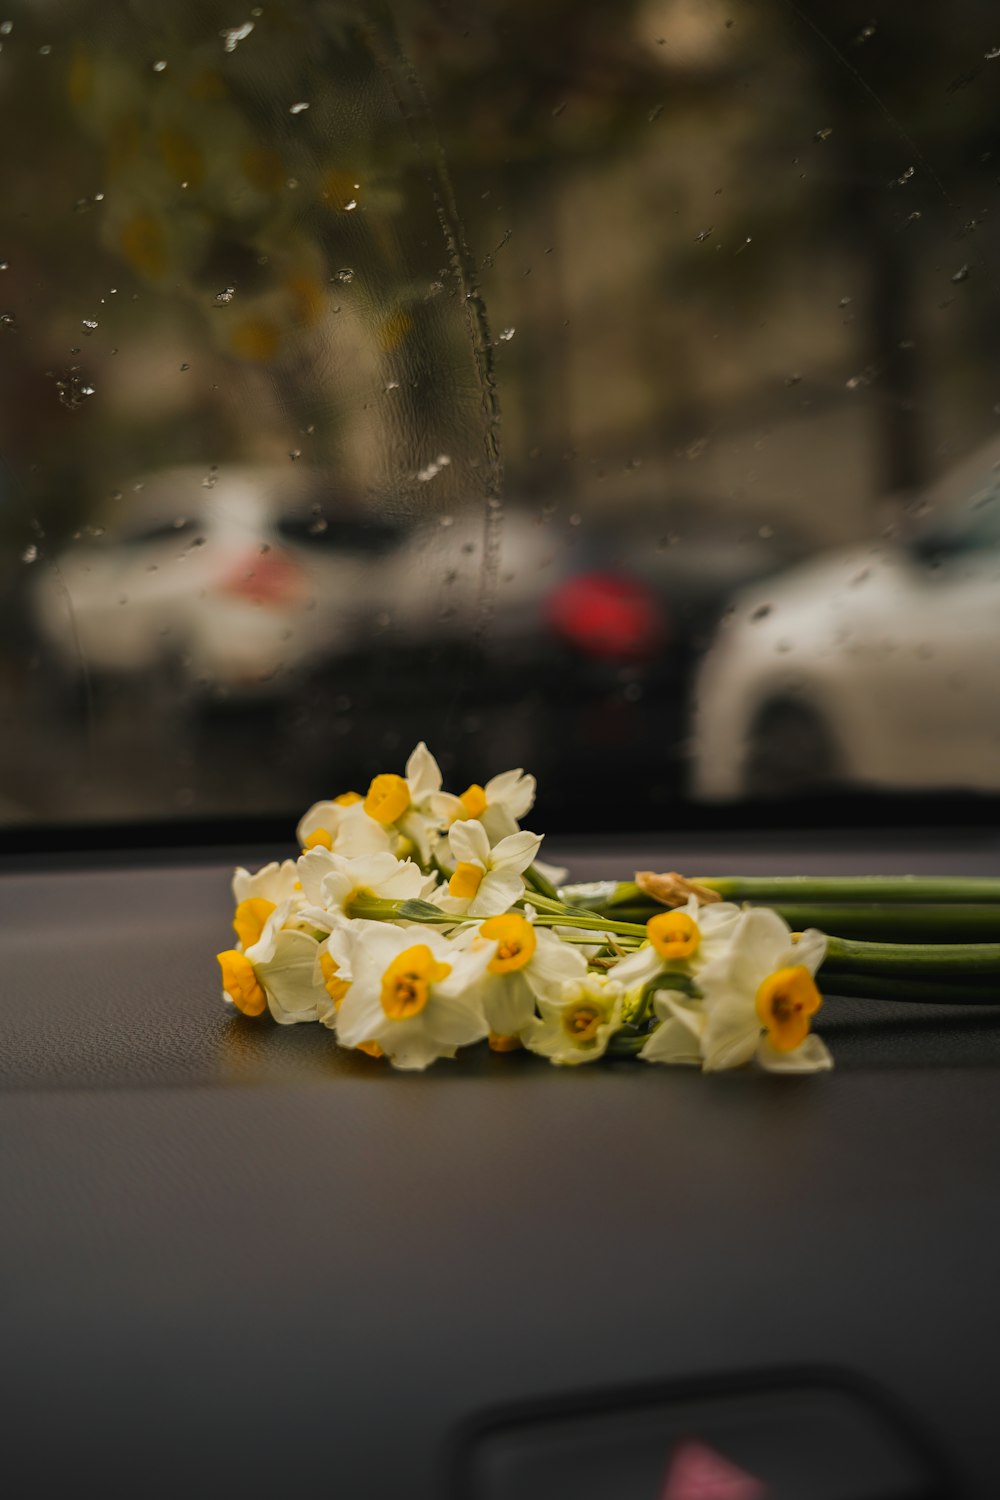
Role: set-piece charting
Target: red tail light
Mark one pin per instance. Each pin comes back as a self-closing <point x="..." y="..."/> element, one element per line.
<point x="265" y="578"/>
<point x="608" y="616"/>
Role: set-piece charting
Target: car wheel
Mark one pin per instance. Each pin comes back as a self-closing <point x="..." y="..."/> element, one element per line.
<point x="791" y="751"/>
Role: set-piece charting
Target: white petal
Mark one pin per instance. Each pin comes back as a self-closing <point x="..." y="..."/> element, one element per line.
<point x="320" y="815"/>
<point x="423" y="774"/>
<point x="508" y="1003"/>
<point x="414" y="1051"/>
<point x="358" y="834"/>
<point x="361" y="1017"/>
<point x="497" y="893"/>
<point x="513" y="790"/>
<point x="468" y="842"/>
<point x="516" y="851"/>
<point x="455" y="1020"/>
<point x="445" y="807"/>
<point x="669" y="1005"/>
<point x="672" y="1043"/>
<point x="638" y="968"/>
<point x="760" y="941"/>
<point x="810" y="949"/>
<point x="290" y="981"/>
<point x="313" y="868"/>
<point x="552" y="963"/>
<point x="812" y="1056"/>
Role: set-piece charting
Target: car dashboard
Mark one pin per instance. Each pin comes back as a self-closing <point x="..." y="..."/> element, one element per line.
<point x="238" y="1260"/>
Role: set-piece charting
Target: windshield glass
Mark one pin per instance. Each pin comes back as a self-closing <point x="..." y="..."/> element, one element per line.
<point x="605" y="390"/>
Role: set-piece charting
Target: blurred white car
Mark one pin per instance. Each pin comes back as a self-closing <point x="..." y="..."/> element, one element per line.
<point x="231" y="581"/>
<point x="873" y="667"/>
<point x="230" y="577"/>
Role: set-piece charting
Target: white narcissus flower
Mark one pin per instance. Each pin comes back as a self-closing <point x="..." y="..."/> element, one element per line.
<point x="257" y="895"/>
<point x="409" y="805"/>
<point x="757" y="1002"/>
<point x="342" y="825"/>
<point x="500" y="804"/>
<point x="526" y="964"/>
<point x="330" y="882"/>
<point x="683" y="941"/>
<point x="412" y="993"/>
<point x="486" y="881"/>
<point x="577" y="1027"/>
<point x="280" y="972"/>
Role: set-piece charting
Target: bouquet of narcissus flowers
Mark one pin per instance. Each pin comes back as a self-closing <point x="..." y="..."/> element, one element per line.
<point x="415" y="922"/>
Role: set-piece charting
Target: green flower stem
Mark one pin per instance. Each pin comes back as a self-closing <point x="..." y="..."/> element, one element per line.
<point x="622" y="1044"/>
<point x="590" y="923"/>
<point x="952" y="960"/>
<point x="538" y="883"/>
<point x="559" y="908"/>
<point x="895" y="922"/>
<point x="823" y="888"/>
<point x="910" y="991"/>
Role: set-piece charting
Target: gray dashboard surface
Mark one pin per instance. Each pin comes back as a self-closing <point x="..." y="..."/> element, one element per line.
<point x="235" y="1260"/>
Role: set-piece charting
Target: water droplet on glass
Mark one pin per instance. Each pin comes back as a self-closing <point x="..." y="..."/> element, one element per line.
<point x="507" y="335"/>
<point x="434" y="467"/>
<point x="761" y="612"/>
<point x="655" y="113"/>
<point x="159" y="67"/>
<point x="961" y="274"/>
<point x="236" y="34"/>
<point x="824" y="133"/>
<point x="866" y="33"/>
<point x="703" y="234"/>
<point x="345" y="275"/>
<point x="89" y="324"/>
<point x="392" y="385"/>
<point x="298" y="109"/>
<point x="44" y="51"/>
<point x="317" y="526"/>
<point x="6" y="27"/>
<point x="185" y="367"/>
<point x="179" y="522"/>
<point x="30" y="554"/>
<point x="295" y="453"/>
<point x="904" y="177"/>
<point x="4" y="265"/>
<point x="7" y="319"/>
<point x="226" y="295"/>
<point x="446" y="520"/>
<point x="85" y="204"/>
<point x="992" y="54"/>
<point x="352" y="204"/>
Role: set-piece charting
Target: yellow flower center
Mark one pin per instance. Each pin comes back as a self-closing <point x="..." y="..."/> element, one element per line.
<point x="320" y="838"/>
<point x="515" y="939"/>
<point x="406" y="983"/>
<point x="249" y="919"/>
<point x="673" y="934"/>
<point x="347" y="799"/>
<point x="581" y="1020"/>
<point x="387" y="800"/>
<point x="240" y="983"/>
<point x="785" y="1001"/>
<point x="500" y="1043"/>
<point x="335" y="987"/>
<point x="466" y="880"/>
<point x="473" y="799"/>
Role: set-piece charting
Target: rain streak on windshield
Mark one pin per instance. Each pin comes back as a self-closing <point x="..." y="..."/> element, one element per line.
<point x="609" y="390"/>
